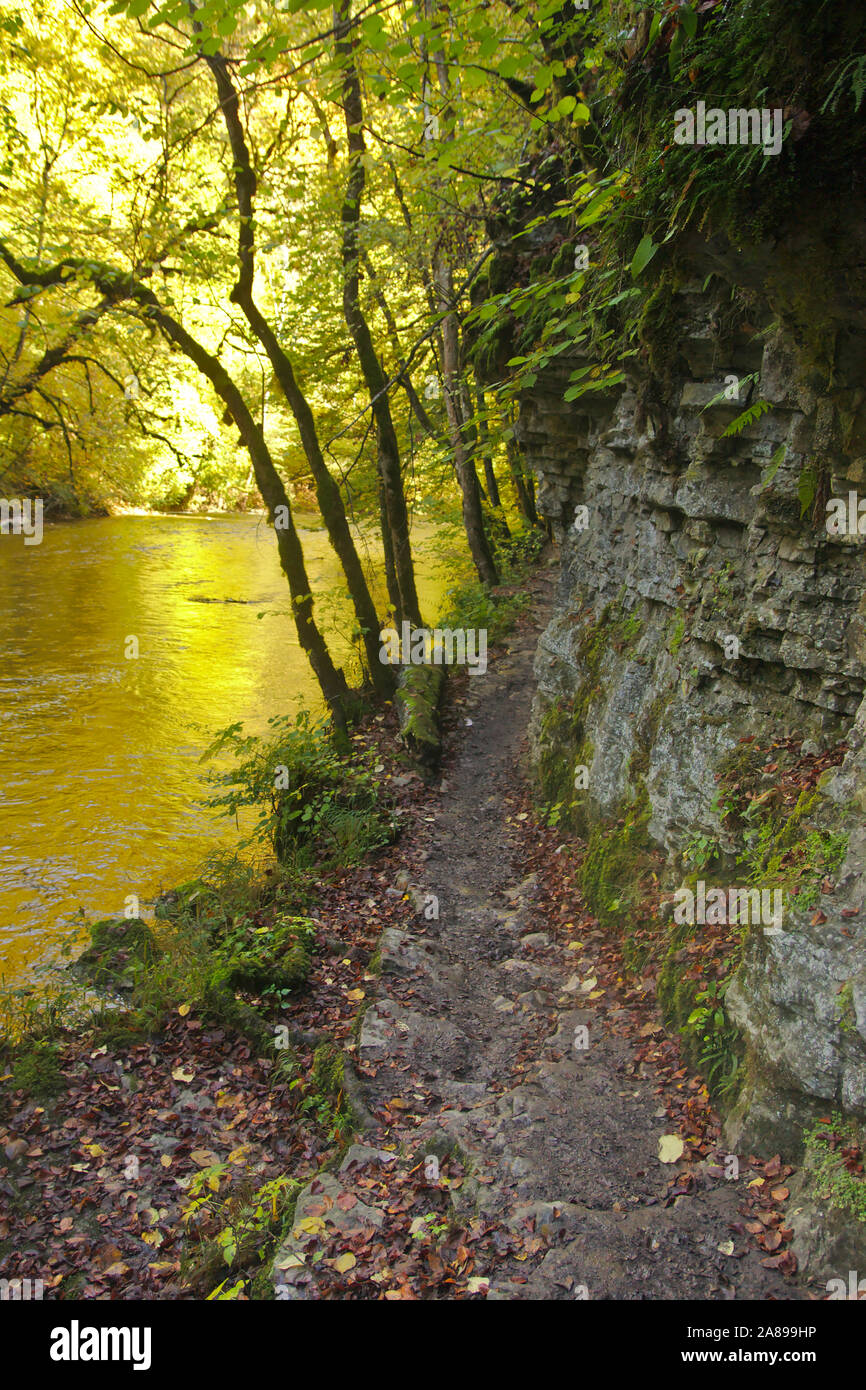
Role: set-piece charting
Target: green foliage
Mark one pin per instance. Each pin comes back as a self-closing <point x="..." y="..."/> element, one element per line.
<point x="781" y="850"/>
<point x="852" y="75"/>
<point x="471" y="605"/>
<point x="701" y="851"/>
<point x="517" y="552"/>
<point x="316" y="803"/>
<point x="273" y="959"/>
<point x="716" y="1043"/>
<point x="250" y="1221"/>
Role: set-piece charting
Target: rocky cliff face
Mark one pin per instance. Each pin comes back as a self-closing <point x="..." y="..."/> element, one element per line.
<point x="709" y="640"/>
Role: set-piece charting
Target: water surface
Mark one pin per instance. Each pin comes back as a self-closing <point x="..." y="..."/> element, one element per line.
<point x="100" y="779"/>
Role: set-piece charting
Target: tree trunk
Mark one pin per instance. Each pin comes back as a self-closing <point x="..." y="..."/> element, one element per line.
<point x="331" y="679"/>
<point x="484" y="437"/>
<point x="454" y="386"/>
<point x="377" y="384"/>
<point x="523" y="489"/>
<point x="404" y="378"/>
<point x="473" y="517"/>
<point x="328" y="493"/>
<point x="388" y="548"/>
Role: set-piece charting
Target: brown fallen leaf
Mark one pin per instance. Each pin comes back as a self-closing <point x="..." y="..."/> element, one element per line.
<point x="205" y="1158"/>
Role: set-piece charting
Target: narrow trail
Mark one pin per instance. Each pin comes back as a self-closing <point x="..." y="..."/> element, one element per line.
<point x="479" y="1009"/>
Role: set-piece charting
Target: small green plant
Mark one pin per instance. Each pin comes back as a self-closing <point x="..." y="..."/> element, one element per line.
<point x="323" y="1094"/>
<point x="834" y="1155"/>
<point x="433" y="1226"/>
<point x="238" y="1228"/>
<point x="718" y="1057"/>
<point x="472" y="606"/>
<point x="852" y="74"/>
<point x="701" y="851"/>
<point x="317" y="804"/>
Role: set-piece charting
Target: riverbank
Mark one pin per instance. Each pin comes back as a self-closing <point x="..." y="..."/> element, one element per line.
<point x="431" y="1128"/>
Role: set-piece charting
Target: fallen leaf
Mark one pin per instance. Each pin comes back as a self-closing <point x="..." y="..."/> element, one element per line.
<point x="671" y="1148"/>
<point x="291" y="1261"/>
<point x="205" y="1158"/>
<point x="311" y="1226"/>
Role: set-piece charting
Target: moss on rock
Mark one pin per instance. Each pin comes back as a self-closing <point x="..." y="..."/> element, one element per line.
<point x="118" y="948"/>
<point x="36" y="1069"/>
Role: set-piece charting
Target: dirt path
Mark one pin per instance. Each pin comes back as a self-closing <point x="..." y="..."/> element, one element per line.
<point x="471" y="1042"/>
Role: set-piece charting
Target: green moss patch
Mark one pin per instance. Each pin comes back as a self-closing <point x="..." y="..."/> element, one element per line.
<point x="118" y="948"/>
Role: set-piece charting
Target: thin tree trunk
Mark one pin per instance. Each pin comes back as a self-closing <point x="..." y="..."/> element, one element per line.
<point x="473" y="517"/>
<point x="524" y="491"/>
<point x="403" y="376"/>
<point x="388" y="548"/>
<point x="377" y="384"/>
<point x="454" y="386"/>
<point x="484" y="437"/>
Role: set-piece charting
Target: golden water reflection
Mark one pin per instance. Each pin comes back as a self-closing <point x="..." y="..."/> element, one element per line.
<point x="100" y="779"/>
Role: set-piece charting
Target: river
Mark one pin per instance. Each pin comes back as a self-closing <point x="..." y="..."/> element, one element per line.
<point x="101" y="785"/>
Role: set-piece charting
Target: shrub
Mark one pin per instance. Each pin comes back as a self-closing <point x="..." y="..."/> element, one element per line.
<point x="316" y="804"/>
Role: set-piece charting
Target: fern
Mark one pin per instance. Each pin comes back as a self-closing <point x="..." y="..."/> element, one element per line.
<point x="723" y="396"/>
<point x="748" y="417"/>
<point x="773" y="466"/>
<point x="807" y="488"/>
<point x="853" y="72"/>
